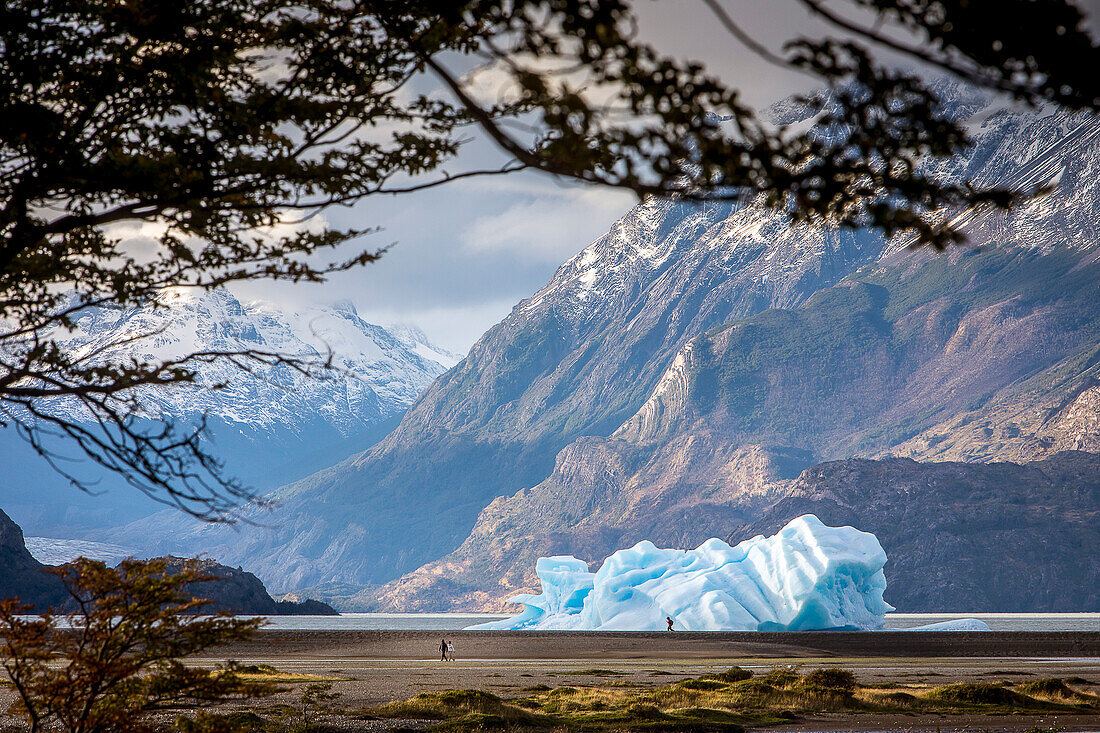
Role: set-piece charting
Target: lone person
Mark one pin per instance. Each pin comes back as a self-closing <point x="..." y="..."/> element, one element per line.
<point x="669" y="619"/>
<point x="443" y="649"/>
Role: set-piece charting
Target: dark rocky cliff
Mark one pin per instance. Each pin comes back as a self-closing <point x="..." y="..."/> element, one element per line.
<point x="238" y="591"/>
<point x="21" y="576"/>
<point x="232" y="590"/>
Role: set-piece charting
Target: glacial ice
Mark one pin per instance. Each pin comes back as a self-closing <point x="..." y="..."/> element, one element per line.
<point x="806" y="576"/>
<point x="956" y="624"/>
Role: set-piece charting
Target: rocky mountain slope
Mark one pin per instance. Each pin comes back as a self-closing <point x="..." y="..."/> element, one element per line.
<point x="921" y="354"/>
<point x="271" y="425"/>
<point x="575" y="359"/>
<point x="857" y="370"/>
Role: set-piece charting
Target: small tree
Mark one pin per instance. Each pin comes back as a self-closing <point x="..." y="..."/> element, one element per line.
<point x="117" y="656"/>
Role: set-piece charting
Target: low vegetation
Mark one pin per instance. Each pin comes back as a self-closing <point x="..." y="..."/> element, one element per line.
<point x="728" y="701"/>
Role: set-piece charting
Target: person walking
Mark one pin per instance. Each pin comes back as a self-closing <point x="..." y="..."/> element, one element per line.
<point x="450" y="651"/>
<point x="443" y="649"/>
<point x="669" y="619"/>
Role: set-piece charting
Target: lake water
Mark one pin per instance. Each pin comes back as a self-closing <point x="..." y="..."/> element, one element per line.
<point x="452" y="621"/>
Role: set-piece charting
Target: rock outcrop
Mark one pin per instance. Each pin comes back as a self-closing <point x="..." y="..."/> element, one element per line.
<point x="232" y="590"/>
<point x="21" y="576"/>
<point x="238" y="591"/>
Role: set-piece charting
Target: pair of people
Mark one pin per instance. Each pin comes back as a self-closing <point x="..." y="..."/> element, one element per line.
<point x="446" y="650"/>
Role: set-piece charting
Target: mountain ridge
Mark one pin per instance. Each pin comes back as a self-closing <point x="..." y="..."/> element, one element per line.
<point x="271" y="424"/>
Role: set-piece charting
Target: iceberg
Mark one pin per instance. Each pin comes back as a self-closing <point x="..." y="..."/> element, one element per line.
<point x="958" y="624"/>
<point x="807" y="576"/>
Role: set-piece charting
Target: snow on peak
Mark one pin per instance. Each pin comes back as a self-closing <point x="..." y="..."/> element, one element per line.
<point x="418" y="342"/>
<point x="378" y="373"/>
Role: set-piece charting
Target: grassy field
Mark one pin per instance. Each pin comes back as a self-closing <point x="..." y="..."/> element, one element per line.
<point x="730" y="701"/>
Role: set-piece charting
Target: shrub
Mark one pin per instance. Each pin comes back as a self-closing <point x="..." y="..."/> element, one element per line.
<point x="702" y="684"/>
<point x="734" y="674"/>
<point x="897" y="698"/>
<point x="783" y="675"/>
<point x="977" y="693"/>
<point x="1050" y="687"/>
<point x="238" y="722"/>
<point x="831" y="678"/>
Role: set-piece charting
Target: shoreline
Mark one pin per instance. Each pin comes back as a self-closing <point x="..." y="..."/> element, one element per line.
<point x="561" y="645"/>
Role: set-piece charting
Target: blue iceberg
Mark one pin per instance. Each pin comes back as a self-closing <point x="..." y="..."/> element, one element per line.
<point x="806" y="576"/>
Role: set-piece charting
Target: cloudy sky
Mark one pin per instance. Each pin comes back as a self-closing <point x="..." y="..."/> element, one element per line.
<point x="462" y="255"/>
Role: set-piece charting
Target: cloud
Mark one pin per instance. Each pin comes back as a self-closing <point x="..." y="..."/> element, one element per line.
<point x="547" y="228"/>
<point x="453" y="328"/>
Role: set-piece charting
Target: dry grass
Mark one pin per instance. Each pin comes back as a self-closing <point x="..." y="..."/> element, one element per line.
<point x="267" y="673"/>
<point x="727" y="701"/>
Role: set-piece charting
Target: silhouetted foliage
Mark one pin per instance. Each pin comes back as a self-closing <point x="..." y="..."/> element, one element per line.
<point x="105" y="666"/>
<point x="224" y="125"/>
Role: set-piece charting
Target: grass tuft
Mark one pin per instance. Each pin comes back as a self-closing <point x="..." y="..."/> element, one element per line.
<point x="831" y="678"/>
<point x="734" y="674"/>
<point x="701" y="684"/>
<point x="978" y="693"/>
<point x="1057" y="690"/>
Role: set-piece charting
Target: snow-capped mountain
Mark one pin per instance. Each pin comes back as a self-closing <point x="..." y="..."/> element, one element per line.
<point x="271" y="424"/>
<point x="375" y="374"/>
